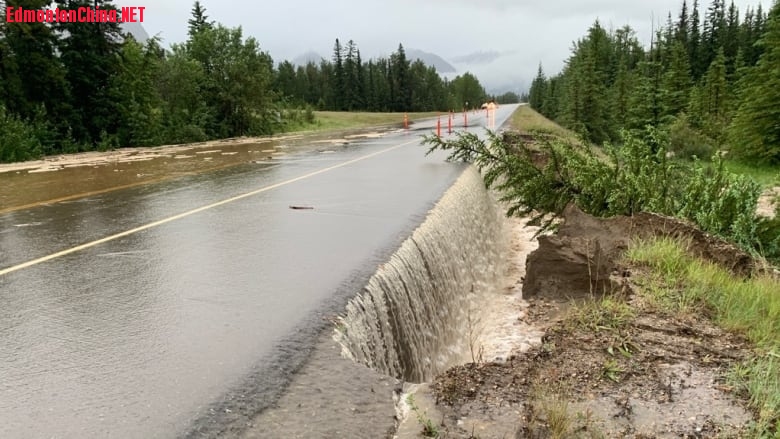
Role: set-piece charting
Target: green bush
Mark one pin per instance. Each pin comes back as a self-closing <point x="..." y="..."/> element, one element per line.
<point x="18" y="140"/>
<point x="546" y="175"/>
<point x="687" y="142"/>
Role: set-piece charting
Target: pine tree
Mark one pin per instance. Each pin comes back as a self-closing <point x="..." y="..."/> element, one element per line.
<point x="646" y="100"/>
<point x="621" y="94"/>
<point x="90" y="53"/>
<point x="755" y="131"/>
<point x="338" y="78"/>
<point x="714" y="31"/>
<point x="538" y="90"/>
<point x="715" y="96"/>
<point x="400" y="80"/>
<point x="694" y="46"/>
<point x="199" y="20"/>
<point x="731" y="38"/>
<point x="677" y="81"/>
<point x="28" y="51"/>
<point x="683" y="24"/>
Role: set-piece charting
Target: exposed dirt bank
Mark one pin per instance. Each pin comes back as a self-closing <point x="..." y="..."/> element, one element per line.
<point x="616" y="369"/>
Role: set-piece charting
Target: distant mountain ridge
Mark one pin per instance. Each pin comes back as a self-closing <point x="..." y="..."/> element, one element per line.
<point x="479" y="63"/>
<point x="430" y="59"/>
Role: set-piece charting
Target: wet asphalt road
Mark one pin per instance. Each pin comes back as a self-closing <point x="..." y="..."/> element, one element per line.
<point x="135" y="312"/>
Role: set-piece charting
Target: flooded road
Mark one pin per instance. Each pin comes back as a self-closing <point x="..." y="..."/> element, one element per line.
<point x="138" y="312"/>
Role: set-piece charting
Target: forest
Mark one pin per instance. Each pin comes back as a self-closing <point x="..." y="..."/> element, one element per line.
<point x="710" y="81"/>
<point x="69" y="87"/>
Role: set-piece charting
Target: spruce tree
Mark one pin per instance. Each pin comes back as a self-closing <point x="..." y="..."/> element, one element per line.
<point x="755" y="131"/>
<point x="338" y="78"/>
<point x="538" y="90"/>
<point x="199" y="20"/>
<point x="677" y="81"/>
<point x="694" y="45"/>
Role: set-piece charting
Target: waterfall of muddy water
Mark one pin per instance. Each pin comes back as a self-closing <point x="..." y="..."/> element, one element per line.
<point x="412" y="319"/>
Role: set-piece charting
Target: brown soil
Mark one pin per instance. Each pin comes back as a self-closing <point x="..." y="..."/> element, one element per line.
<point x="768" y="202"/>
<point x="581" y="257"/>
<point x="663" y="378"/>
<point x="648" y="375"/>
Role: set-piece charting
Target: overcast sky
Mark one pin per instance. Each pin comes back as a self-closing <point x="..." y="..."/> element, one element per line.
<point x="523" y="32"/>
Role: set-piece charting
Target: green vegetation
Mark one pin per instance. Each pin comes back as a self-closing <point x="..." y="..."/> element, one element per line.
<point x="97" y="89"/>
<point x="711" y="84"/>
<point x="429" y="428"/>
<point x="335" y="120"/>
<point x="679" y="282"/>
<point x="527" y="121"/>
<point x="544" y="176"/>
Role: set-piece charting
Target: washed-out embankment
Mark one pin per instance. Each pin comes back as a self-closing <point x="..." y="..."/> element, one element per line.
<point x="420" y="313"/>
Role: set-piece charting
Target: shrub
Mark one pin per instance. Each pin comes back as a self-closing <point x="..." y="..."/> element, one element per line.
<point x="687" y="142"/>
<point x="544" y="176"/>
<point x="18" y="140"/>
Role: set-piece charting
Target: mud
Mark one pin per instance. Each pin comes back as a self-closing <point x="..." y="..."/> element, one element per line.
<point x="69" y="176"/>
<point x="579" y="260"/>
<point x="654" y="375"/>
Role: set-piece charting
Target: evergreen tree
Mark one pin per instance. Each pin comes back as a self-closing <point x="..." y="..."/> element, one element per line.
<point x="683" y="24"/>
<point x="285" y="82"/>
<point x="715" y="96"/>
<point x="714" y="31"/>
<point x="199" y="20"/>
<point x="338" y="78"/>
<point x="731" y="38"/>
<point x="90" y="53"/>
<point x="28" y="51"/>
<point x="401" y="82"/>
<point x="538" y="91"/>
<point x="646" y="100"/>
<point x="677" y="81"/>
<point x="755" y="131"/>
<point x="621" y="94"/>
<point x="694" y="46"/>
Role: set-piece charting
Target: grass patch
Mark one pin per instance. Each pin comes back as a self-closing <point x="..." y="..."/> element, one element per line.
<point x="429" y="428"/>
<point x="766" y="176"/>
<point x="608" y="313"/>
<point x="526" y="120"/>
<point x="340" y="120"/>
<point x="551" y="408"/>
<point x="748" y="306"/>
<point x="552" y="417"/>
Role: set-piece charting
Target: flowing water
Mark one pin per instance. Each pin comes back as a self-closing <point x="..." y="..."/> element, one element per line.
<point x="417" y="314"/>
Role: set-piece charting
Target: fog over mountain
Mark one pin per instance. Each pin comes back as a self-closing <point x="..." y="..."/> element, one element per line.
<point x="502" y="41"/>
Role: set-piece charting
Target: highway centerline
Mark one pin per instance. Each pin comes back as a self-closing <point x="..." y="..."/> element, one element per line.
<point x="87" y="245"/>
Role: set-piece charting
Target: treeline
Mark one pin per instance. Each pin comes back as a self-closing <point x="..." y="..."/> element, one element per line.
<point x="347" y="83"/>
<point x="68" y="87"/>
<point x="710" y="81"/>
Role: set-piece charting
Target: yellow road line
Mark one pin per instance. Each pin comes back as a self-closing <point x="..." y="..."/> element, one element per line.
<point x="194" y="211"/>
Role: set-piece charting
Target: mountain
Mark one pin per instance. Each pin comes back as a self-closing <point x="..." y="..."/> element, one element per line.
<point x="430" y="59"/>
<point x="305" y="58"/>
<point x="136" y="30"/>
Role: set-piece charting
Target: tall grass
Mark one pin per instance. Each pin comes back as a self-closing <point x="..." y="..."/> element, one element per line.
<point x="526" y="120"/>
<point x="748" y="306"/>
<point x="339" y="120"/>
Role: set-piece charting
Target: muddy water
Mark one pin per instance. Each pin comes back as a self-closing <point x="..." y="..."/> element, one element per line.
<point x="65" y="177"/>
